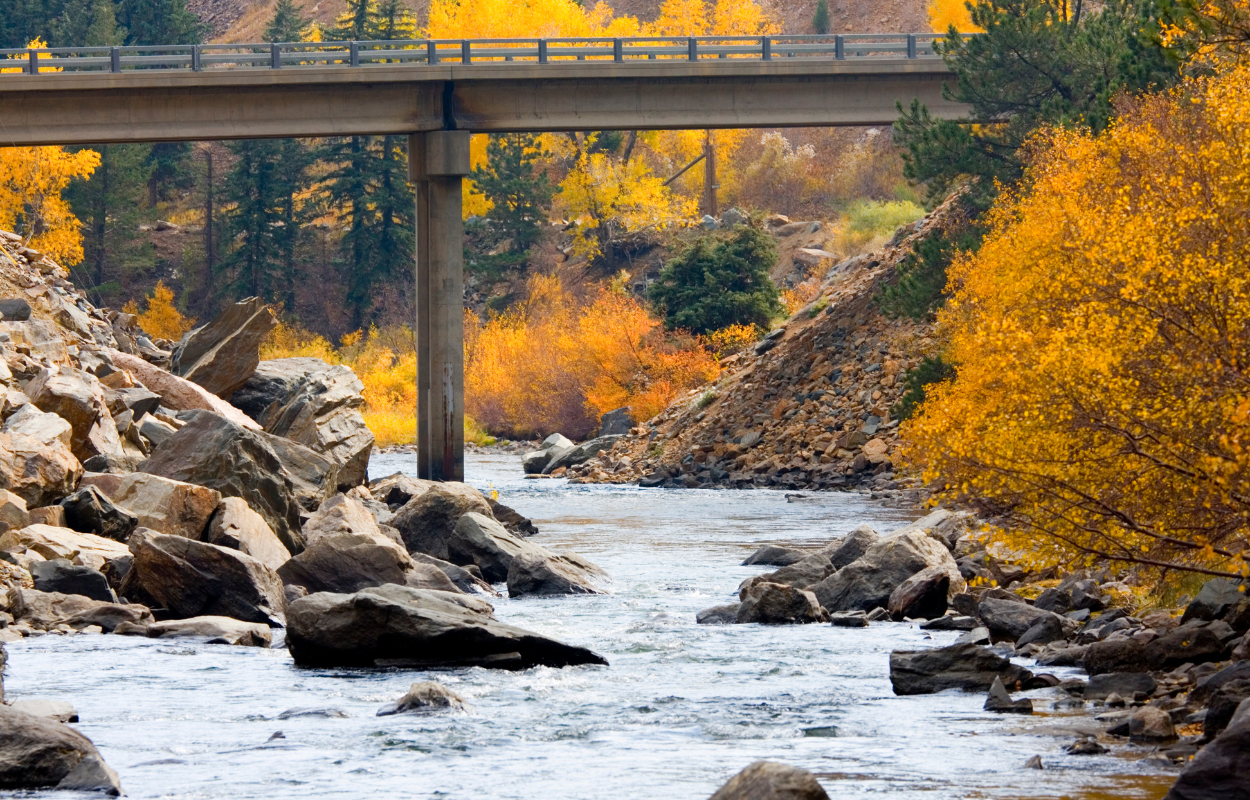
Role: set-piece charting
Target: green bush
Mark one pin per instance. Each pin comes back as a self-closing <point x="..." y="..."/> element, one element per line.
<point x="719" y="281"/>
<point x="921" y="285"/>
<point x="867" y="219"/>
<point x="926" y="373"/>
<point x="820" y="20"/>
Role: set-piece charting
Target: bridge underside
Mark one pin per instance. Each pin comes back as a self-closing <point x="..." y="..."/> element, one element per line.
<point x="139" y="106"/>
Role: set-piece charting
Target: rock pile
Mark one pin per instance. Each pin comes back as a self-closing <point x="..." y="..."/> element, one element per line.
<point x="810" y="407"/>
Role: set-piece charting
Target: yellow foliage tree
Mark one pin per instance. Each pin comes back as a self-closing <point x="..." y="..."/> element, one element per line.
<point x="945" y="13"/>
<point x="1101" y="336"/>
<point x="161" y="319"/>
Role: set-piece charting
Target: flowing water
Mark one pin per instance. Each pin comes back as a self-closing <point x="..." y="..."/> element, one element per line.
<point x="681" y="708"/>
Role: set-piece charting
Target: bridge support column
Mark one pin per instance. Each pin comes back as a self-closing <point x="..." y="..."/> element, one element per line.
<point x="437" y="162"/>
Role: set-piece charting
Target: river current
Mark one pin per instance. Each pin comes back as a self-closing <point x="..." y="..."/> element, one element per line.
<point x="681" y="708"/>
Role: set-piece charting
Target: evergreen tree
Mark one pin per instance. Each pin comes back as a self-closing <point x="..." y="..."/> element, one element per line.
<point x="717" y="282"/>
<point x="820" y="20"/>
<point x="23" y="20"/>
<point x="170" y="164"/>
<point x="87" y="23"/>
<point x="287" y="23"/>
<point x="159" y="22"/>
<point x="517" y="188"/>
<point x="1039" y="62"/>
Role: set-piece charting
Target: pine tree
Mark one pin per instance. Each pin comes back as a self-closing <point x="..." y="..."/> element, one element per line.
<point x="288" y="23"/>
<point x="820" y="20"/>
<point x="516" y="187"/>
<point x="159" y="22"/>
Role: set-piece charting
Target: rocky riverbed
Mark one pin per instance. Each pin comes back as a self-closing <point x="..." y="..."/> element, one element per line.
<point x="681" y="708"/>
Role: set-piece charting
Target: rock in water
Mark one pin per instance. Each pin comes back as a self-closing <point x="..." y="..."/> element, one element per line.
<point x="276" y="477"/>
<point x="347" y="562"/>
<point x="581" y="453"/>
<point x="540" y="574"/>
<point x="1219" y="770"/>
<point x="867" y="582"/>
<point x="922" y="596"/>
<point x="718" y="615"/>
<point x="1150" y="724"/>
<point x="801" y="574"/>
<point x="412" y="627"/>
<point x="850" y="547"/>
<point x="1008" y="619"/>
<point x="39" y="473"/>
<point x="479" y="539"/>
<point x="768" y="780"/>
<point x="223" y="354"/>
<point x="315" y="404"/>
<point x="58" y="575"/>
<point x="773" y="555"/>
<point x="38" y="753"/>
<point x="424" y="697"/>
<point x="216" y="630"/>
<point x="960" y="666"/>
<point x="511" y="519"/>
<point x="428" y="520"/>
<point x="779" y="604"/>
<point x="194" y="579"/>
<point x="999" y="701"/>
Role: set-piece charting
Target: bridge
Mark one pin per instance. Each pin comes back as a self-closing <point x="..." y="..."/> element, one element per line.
<point x="437" y="92"/>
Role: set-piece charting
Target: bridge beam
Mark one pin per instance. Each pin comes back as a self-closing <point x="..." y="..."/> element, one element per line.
<point x="437" y="163"/>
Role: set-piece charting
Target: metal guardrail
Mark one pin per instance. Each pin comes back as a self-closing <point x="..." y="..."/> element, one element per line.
<point x="282" y="55"/>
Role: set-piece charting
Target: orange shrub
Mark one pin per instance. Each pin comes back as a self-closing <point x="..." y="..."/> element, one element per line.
<point x="554" y="363"/>
<point x="161" y="319"/>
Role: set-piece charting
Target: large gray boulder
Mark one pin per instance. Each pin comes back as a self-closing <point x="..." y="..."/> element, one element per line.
<point x="801" y="574"/>
<point x="40" y="753"/>
<point x="278" y="478"/>
<point x="179" y="508"/>
<point x="397" y="625"/>
<point x="778" y="604"/>
<point x="1008" y="620"/>
<point x="774" y="555"/>
<point x="59" y="575"/>
<point x="867" y="582"/>
<point x="535" y="462"/>
<point x="212" y="630"/>
<point x="479" y="539"/>
<point x="969" y="667"/>
<point x="1219" y="770"/>
<point x="237" y="526"/>
<point x="89" y="511"/>
<point x="347" y="562"/>
<point x="194" y="579"/>
<point x="850" y="547"/>
<point x="468" y="580"/>
<point x="223" y="354"/>
<point x="546" y="574"/>
<point x="428" y="520"/>
<point x="580" y="454"/>
<point x="38" y="472"/>
<point x="922" y="596"/>
<point x="315" y="404"/>
<point x="768" y="780"/>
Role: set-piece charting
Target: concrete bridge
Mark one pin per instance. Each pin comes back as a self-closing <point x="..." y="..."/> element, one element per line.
<point x="437" y="92"/>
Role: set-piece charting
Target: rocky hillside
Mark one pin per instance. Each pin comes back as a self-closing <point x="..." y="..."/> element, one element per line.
<point x="808" y="408"/>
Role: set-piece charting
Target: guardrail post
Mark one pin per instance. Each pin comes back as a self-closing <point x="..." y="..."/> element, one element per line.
<point x="275" y="56"/>
<point x="694" y="49"/>
<point x="542" y="51"/>
<point x="354" y="54"/>
<point x="766" y="48"/>
<point x="115" y="59"/>
<point x="911" y="45"/>
<point x="32" y="58"/>
<point x="466" y="53"/>
<point x="195" y="58"/>
<point x="431" y="53"/>
<point x="839" y="48"/>
<point x="618" y="54"/>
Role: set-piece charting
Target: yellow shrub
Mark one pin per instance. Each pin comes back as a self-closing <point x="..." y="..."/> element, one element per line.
<point x="162" y="319"/>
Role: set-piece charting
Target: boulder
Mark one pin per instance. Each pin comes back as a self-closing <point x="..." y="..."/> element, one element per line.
<point x="397" y="489"/>
<point x="340" y="513"/>
<point x="216" y="630"/>
<point x="46" y="427"/>
<point x="39" y="753"/>
<point x="38" y="472"/>
<point x="581" y="453"/>
<point x="74" y="396"/>
<point x="89" y="511"/>
<point x="478" y="539"/>
<point x="57" y="710"/>
<point x="851" y="547"/>
<point x="410" y="627"/>
<point x="428" y="576"/>
<point x="58" y="575"/>
<point x="616" y="422"/>
<point x="175" y="507"/>
<point x="424" y="697"/>
<point x="1115" y="655"/>
<point x="1043" y="631"/>
<point x="278" y="479"/>
<point x="1214" y="600"/>
<point x="1008" y="620"/>
<point x="1222" y="705"/>
<point x="848" y="619"/>
<point x="768" y="780"/>
<point x="195" y="579"/>
<point x="779" y="604"/>
<point x="718" y="615"/>
<point x="811" y="570"/>
<point x="16" y="309"/>
<point x="347" y="562"/>
<point x="315" y="404"/>
<point x="546" y="574"/>
<point x="1238" y="671"/>
<point x="48" y="609"/>
<point x="868" y="582"/>
<point x="429" y="519"/>
<point x="968" y="667"/>
<point x="13" y="510"/>
<point x="1125" y="684"/>
<point x="1219" y="770"/>
<point x="774" y="555"/>
<point x="466" y="580"/>
<point x="1000" y="702"/>
<point x="237" y="526"/>
<point x="180" y="394"/>
<point x="223" y="354"/>
<point x="516" y="524"/>
<point x="950" y="622"/>
<point x="84" y="549"/>
<point x="1150" y="724"/>
<point x="534" y="461"/>
<point x="922" y="596"/>
<point x="1192" y="643"/>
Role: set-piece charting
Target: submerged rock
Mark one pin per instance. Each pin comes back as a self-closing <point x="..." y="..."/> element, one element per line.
<point x="773" y="555"/>
<point x="412" y="627"/>
<point x="38" y="753"/>
<point x="718" y="615"/>
<point x="768" y="780"/>
<point x="214" y="629"/>
<point x="999" y="701"/>
<point x="779" y="604"/>
<point x="424" y="697"/>
<point x="968" y="667"/>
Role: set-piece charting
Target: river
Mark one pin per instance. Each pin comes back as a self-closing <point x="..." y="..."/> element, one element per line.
<point x="681" y="708"/>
